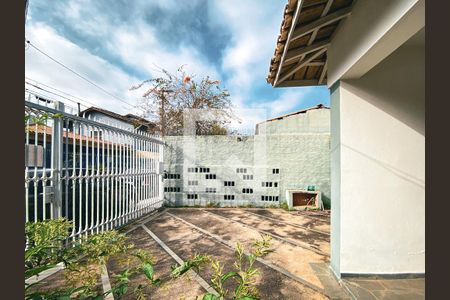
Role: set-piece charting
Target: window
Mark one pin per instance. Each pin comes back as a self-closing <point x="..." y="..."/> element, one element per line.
<point x="266" y="184"/>
<point x="228" y="183"/>
<point x="247" y="191"/>
<point x="275" y="184"/>
<point x="269" y="198"/>
<point x="192" y="196"/>
<point x="247" y="177"/>
<point x="228" y="197"/>
<point x="171" y="189"/>
<point x="210" y="190"/>
<point x="241" y="170"/>
<point x="192" y="182"/>
<point x="275" y="171"/>
<point x="204" y="170"/>
<point x="210" y="176"/>
<point x="171" y="176"/>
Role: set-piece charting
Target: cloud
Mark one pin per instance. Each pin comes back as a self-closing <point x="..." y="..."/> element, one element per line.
<point x="101" y="72"/>
<point x="119" y="43"/>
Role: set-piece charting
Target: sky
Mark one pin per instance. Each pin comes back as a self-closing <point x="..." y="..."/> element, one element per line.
<point x="117" y="44"/>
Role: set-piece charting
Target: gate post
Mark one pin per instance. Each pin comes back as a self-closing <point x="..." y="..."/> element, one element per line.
<point x="161" y="172"/>
<point x="57" y="161"/>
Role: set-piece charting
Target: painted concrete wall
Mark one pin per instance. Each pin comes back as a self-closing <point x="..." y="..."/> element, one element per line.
<point x="302" y="159"/>
<point x="378" y="166"/>
<point x="372" y="32"/>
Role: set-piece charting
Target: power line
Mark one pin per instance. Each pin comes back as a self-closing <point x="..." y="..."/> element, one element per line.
<point x="79" y="75"/>
<point x="44" y="96"/>
<point x="40" y="83"/>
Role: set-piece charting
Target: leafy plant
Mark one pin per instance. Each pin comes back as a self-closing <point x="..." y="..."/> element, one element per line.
<point x="244" y="273"/>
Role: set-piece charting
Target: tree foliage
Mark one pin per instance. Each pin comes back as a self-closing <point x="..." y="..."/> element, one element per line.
<point x="167" y="98"/>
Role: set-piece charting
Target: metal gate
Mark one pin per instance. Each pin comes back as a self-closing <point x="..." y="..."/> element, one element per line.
<point x="96" y="175"/>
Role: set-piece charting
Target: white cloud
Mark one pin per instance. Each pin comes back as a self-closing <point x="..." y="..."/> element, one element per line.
<point x="136" y="44"/>
<point x="101" y="72"/>
<point x="254" y="29"/>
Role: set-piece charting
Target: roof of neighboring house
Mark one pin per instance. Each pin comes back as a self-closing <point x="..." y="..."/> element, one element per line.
<point x="300" y="56"/>
<point x="129" y="118"/>
<point x="319" y="106"/>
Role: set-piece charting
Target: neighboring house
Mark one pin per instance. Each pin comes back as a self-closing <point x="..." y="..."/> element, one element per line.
<point x="371" y="55"/>
<point x="127" y="122"/>
<point x="311" y="120"/>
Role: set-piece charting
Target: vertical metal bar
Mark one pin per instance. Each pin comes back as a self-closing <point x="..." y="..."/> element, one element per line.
<point x="44" y="176"/>
<point x="108" y="180"/>
<point x="120" y="178"/>
<point x="103" y="180"/>
<point x="66" y="168"/>
<point x="35" y="176"/>
<point x="27" y="176"/>
<point x="86" y="181"/>
<point x="92" y="176"/>
<point x="160" y="174"/>
<point x="73" y="177"/>
<point x="97" y="179"/>
<point x="57" y="162"/>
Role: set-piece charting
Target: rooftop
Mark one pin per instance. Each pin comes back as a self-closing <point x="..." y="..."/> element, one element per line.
<point x="300" y="56"/>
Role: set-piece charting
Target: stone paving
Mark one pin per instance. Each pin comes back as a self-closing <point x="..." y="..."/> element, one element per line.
<point x="299" y="266"/>
<point x="386" y="289"/>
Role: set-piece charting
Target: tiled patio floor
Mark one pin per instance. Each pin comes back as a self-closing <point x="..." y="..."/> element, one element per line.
<point x="297" y="269"/>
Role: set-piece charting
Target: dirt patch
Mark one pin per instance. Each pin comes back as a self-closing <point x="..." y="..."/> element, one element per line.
<point x="185" y="241"/>
<point x="182" y="288"/>
<point x="309" y="238"/>
<point x="294" y="259"/>
<point x="302" y="218"/>
<point x="57" y="281"/>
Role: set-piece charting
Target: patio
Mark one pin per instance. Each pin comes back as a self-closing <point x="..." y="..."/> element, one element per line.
<point x="298" y="268"/>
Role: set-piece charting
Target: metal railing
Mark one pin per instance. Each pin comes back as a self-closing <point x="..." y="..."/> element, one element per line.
<point x="95" y="175"/>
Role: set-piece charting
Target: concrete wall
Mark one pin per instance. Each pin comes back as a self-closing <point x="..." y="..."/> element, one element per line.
<point x="378" y="166"/>
<point x="302" y="159"/>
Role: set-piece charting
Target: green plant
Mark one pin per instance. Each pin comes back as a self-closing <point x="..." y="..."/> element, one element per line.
<point x="285" y="206"/>
<point x="83" y="260"/>
<point x="212" y="204"/>
<point x="244" y="273"/>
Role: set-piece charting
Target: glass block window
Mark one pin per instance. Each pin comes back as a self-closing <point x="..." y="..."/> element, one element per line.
<point x="228" y="197"/>
<point x="247" y="177"/>
<point x="269" y="198"/>
<point x="210" y="176"/>
<point x="172" y="176"/>
<point x="204" y="170"/>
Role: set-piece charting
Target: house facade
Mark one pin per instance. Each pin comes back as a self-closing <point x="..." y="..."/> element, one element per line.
<point x="371" y="55"/>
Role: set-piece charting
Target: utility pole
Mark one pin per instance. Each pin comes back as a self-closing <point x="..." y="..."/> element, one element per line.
<point x="162" y="110"/>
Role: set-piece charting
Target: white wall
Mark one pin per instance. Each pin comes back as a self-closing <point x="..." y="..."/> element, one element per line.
<point x="378" y="167"/>
<point x="372" y="32"/>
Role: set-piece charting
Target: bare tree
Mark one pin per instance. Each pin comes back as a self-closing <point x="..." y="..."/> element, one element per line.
<point x="167" y="96"/>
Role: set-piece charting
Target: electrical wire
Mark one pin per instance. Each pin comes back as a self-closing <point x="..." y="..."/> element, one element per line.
<point x="43" y="84"/>
<point x="79" y="75"/>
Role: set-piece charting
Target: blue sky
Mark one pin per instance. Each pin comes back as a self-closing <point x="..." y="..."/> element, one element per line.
<point x="119" y="43"/>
